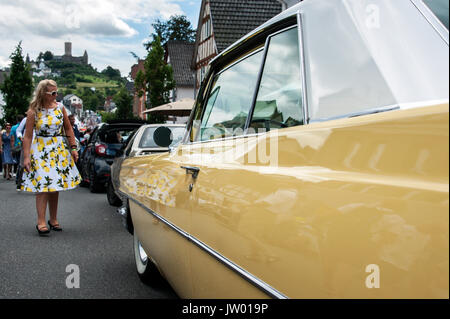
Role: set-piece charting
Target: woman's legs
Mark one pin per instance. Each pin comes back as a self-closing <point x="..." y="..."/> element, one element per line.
<point x="41" y="207"/>
<point x="9" y="169"/>
<point x="53" y="207"/>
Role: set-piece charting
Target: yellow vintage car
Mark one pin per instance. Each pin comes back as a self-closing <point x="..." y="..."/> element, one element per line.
<point x="315" y="162"/>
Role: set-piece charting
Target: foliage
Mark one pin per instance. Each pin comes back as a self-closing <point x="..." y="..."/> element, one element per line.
<point x="91" y="99"/>
<point x="157" y="78"/>
<point x="111" y="73"/>
<point x="17" y="87"/>
<point x="124" y="103"/>
<point x="47" y="56"/>
<point x="107" y="116"/>
<point x="177" y="28"/>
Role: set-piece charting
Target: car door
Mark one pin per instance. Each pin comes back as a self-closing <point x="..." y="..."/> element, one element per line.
<point x="230" y="219"/>
<point x="88" y="153"/>
<point x="118" y="160"/>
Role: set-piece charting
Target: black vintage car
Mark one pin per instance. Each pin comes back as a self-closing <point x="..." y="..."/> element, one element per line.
<point x="103" y="146"/>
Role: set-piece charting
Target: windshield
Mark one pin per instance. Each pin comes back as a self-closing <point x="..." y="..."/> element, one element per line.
<point x="147" y="137"/>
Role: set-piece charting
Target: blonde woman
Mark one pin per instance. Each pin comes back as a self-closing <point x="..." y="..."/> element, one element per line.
<point x="49" y="166"/>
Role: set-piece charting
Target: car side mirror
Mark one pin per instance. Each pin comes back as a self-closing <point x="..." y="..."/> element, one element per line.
<point x="162" y="136"/>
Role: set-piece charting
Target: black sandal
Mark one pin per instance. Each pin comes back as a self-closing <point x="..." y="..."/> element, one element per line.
<point x="42" y="232"/>
<point x="54" y="227"/>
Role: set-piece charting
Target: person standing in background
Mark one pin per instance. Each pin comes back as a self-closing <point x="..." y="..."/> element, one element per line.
<point x="17" y="144"/>
<point x="6" y="144"/>
<point x="20" y="133"/>
<point x="74" y="127"/>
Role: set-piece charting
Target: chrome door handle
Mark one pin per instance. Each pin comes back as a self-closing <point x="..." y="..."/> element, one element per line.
<point x="191" y="170"/>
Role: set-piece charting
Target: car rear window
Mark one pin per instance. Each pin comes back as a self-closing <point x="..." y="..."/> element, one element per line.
<point x="116" y="136"/>
<point x="147" y="137"/>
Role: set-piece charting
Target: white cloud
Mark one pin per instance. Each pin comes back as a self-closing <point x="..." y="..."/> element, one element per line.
<point x="4" y="62"/>
<point x="87" y="17"/>
<point x="89" y="24"/>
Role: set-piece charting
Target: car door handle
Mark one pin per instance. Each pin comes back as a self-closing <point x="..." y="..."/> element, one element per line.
<point x="191" y="170"/>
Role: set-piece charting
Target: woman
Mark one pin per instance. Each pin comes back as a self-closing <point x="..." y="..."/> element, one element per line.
<point x="49" y="166"/>
<point x="6" y="142"/>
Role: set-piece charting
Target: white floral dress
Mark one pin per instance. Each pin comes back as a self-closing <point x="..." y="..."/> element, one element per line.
<point x="52" y="166"/>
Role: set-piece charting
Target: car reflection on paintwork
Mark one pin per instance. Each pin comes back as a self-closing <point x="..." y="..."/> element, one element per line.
<point x="140" y="144"/>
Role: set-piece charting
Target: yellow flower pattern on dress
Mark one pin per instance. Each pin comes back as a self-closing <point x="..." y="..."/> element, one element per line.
<point x="52" y="166"/>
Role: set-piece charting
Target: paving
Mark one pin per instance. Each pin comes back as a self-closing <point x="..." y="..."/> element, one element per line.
<point x="93" y="244"/>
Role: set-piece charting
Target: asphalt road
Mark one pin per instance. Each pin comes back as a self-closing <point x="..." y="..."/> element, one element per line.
<point x="93" y="239"/>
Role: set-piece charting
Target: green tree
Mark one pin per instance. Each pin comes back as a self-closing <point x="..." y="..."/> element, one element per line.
<point x="17" y="87"/>
<point x="40" y="57"/>
<point x="48" y="56"/>
<point x="177" y="28"/>
<point x="91" y="99"/>
<point x="111" y="73"/>
<point x="124" y="103"/>
<point x="156" y="80"/>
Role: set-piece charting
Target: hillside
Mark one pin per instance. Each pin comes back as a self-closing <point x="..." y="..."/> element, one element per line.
<point x="80" y="79"/>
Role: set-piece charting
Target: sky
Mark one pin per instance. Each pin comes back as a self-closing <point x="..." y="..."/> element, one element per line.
<point x="107" y="29"/>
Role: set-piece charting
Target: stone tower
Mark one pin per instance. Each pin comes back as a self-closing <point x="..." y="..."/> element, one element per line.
<point x="68" y="48"/>
<point x="85" y="57"/>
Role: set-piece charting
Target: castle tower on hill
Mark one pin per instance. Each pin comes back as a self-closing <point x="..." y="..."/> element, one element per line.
<point x="68" y="48"/>
<point x="67" y="57"/>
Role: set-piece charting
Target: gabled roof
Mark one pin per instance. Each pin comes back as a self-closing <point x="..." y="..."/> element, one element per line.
<point x="232" y="19"/>
<point x="67" y="97"/>
<point x="180" y="55"/>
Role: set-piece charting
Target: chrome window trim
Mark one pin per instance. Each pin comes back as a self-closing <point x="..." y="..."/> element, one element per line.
<point x="211" y="85"/>
<point x="432" y="19"/>
<point x="258" y="283"/>
<point x="226" y="138"/>
<point x="247" y="124"/>
<point x="301" y="45"/>
<point x="360" y="113"/>
<point x="239" y="60"/>
<point x="399" y="106"/>
<point x="258" y="83"/>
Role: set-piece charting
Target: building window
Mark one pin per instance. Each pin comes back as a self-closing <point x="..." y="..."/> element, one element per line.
<point x="206" y="30"/>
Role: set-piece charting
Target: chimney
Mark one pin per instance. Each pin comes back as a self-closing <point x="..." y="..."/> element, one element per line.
<point x="68" y="48"/>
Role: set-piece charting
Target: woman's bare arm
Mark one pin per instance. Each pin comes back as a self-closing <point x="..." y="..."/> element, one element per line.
<point x="27" y="139"/>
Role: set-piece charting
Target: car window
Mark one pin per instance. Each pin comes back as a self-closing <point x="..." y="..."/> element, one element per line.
<point x="93" y="136"/>
<point x="279" y="99"/>
<point x="230" y="99"/>
<point x="116" y="136"/>
<point x="147" y="137"/>
<point x="130" y="142"/>
<point x="440" y="9"/>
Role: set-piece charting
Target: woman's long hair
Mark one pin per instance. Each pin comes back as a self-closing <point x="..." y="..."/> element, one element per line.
<point x="37" y="103"/>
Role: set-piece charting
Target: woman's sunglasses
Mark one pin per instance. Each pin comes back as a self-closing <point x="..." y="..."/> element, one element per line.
<point x="52" y="93"/>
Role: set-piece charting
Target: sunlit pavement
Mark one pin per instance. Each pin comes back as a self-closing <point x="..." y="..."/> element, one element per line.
<point x="93" y="241"/>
